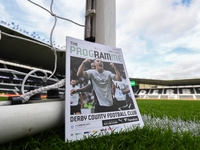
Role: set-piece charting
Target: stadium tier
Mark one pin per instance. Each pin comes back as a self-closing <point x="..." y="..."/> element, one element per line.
<point x="29" y="53"/>
<point x="19" y="57"/>
<point x="166" y="89"/>
<point x="11" y="81"/>
<point x="192" y="92"/>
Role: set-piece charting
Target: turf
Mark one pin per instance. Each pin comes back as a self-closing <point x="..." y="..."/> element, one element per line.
<point x="184" y="109"/>
<point x="3" y="98"/>
<point x="146" y="138"/>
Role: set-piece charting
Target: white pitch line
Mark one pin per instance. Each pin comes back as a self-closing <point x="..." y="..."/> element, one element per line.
<point x="176" y="125"/>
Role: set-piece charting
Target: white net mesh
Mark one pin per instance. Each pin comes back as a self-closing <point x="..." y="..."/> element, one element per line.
<point x="49" y="22"/>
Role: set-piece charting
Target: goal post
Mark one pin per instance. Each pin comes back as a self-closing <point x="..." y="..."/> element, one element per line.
<point x="100" y="22"/>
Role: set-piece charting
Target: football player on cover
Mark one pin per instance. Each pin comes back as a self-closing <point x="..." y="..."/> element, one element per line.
<point x="102" y="83"/>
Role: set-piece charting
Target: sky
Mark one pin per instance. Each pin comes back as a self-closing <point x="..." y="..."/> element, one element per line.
<point x="160" y="39"/>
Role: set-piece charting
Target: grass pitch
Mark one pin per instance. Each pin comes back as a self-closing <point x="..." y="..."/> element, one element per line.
<point x="148" y="137"/>
<point x="183" y="109"/>
<point x="3" y="98"/>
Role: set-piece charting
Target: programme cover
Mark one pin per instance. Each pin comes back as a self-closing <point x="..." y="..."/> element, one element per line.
<point x="98" y="97"/>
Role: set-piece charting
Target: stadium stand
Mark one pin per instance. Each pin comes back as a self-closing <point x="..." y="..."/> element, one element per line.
<point x="167" y="89"/>
<point x="14" y="56"/>
<point x="10" y="82"/>
<point x="179" y="92"/>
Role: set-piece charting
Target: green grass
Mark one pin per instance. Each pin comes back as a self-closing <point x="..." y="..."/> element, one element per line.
<point x="146" y="138"/>
<point x="3" y="98"/>
<point x="184" y="109"/>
